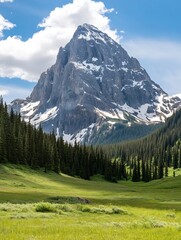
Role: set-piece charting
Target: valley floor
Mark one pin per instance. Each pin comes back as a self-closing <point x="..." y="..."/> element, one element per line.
<point x="39" y="206"/>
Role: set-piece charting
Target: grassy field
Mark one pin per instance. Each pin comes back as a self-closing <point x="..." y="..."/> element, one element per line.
<point x="35" y="205"/>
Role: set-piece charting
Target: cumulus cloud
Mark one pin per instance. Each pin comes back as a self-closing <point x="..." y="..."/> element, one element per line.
<point x="5" y="25"/>
<point x="28" y="59"/>
<point x="161" y="58"/>
<point x="3" y="1"/>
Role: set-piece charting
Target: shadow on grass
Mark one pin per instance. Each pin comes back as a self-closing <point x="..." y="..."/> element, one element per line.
<point x="70" y="200"/>
<point x="141" y="195"/>
<point x="19" y="197"/>
<point x="132" y="202"/>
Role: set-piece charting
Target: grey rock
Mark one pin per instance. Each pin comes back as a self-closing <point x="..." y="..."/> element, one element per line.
<point x="93" y="83"/>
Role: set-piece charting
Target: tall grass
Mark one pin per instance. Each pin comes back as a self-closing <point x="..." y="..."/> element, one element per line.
<point x="39" y="206"/>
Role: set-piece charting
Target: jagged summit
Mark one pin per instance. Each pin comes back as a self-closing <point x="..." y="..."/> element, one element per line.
<point x="94" y="85"/>
<point x="89" y="32"/>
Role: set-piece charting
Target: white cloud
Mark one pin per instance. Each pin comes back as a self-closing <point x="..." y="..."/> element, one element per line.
<point x="3" y="1"/>
<point x="5" y="25"/>
<point x="3" y="92"/>
<point x="27" y="60"/>
<point x="161" y="59"/>
<point x="11" y="92"/>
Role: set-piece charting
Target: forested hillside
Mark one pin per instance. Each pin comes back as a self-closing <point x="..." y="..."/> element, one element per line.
<point x="141" y="160"/>
<point x="21" y="143"/>
<point x="151" y="157"/>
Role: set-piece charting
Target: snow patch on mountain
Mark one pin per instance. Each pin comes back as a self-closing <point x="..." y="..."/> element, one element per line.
<point x="50" y="113"/>
<point x="29" y="108"/>
<point x="177" y="95"/>
<point x="89" y="67"/>
<point x="94" y="85"/>
<point x="112" y="114"/>
<point x="91" y="33"/>
<point x="78" y="137"/>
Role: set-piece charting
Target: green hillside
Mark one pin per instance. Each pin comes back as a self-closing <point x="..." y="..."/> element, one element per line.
<point x="39" y="205"/>
<point x="151" y="157"/>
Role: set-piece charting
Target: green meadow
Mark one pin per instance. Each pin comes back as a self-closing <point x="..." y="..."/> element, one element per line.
<point x="36" y="205"/>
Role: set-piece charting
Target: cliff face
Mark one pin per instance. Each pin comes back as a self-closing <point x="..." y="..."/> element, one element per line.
<point x="94" y="83"/>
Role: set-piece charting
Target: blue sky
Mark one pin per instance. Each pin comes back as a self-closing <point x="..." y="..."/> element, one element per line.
<point x="32" y="31"/>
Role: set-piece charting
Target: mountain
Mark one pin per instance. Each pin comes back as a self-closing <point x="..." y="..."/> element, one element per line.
<point x="93" y="87"/>
<point x="177" y="95"/>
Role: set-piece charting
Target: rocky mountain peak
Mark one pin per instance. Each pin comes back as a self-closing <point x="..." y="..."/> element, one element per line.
<point x="90" y="33"/>
<point x="94" y="85"/>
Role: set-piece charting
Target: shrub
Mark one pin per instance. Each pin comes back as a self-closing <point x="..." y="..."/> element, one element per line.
<point x="102" y="210"/>
<point x="45" y="207"/>
<point x="66" y="208"/>
<point x="116" y="210"/>
<point x="171" y="215"/>
<point x="84" y="208"/>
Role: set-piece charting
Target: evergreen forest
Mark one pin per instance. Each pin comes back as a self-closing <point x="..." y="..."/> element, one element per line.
<point x="140" y="160"/>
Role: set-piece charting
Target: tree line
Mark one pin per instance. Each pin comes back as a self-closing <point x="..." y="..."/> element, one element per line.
<point x="151" y="157"/>
<point x="141" y="160"/>
<point x="22" y="143"/>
